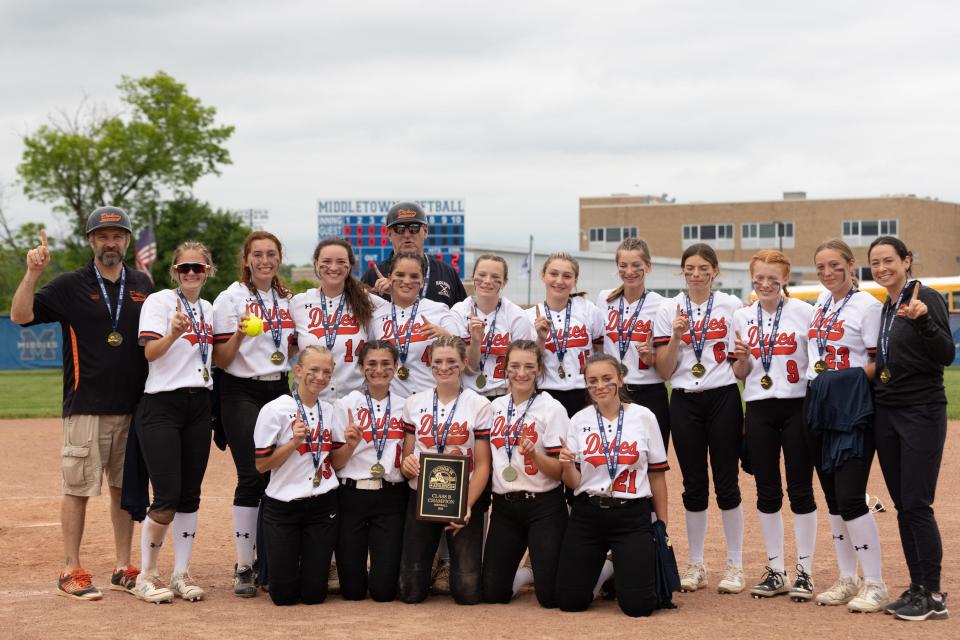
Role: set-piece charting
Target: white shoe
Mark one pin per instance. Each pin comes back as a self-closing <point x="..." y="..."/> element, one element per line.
<point x="333" y="579"/>
<point x="152" y="589"/>
<point x="843" y="591"/>
<point x="732" y="579"/>
<point x="183" y="587"/>
<point x="694" y="577"/>
<point x="873" y="597"/>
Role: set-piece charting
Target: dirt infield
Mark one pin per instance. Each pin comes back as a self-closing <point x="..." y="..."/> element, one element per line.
<point x="30" y="556"/>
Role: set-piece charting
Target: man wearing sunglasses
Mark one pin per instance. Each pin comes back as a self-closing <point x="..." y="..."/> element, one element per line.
<point x="407" y="230"/>
<point x="98" y="308"/>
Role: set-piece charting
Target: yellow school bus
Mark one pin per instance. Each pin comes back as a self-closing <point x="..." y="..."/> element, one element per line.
<point x="948" y="287"/>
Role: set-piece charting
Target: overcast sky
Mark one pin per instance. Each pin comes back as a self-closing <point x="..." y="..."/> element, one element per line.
<point x="518" y="107"/>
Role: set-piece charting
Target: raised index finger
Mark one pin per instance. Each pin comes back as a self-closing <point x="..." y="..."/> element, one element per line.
<point x="43" y="237"/>
<point x="179" y="305"/>
<point x="350" y="416"/>
<point x="376" y="268"/>
<point x="537" y="307"/>
<point x="916" y="291"/>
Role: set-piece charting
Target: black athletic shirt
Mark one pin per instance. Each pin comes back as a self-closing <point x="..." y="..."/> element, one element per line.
<point x="97" y="379"/>
<point x="444" y="285"/>
<point x="918" y="351"/>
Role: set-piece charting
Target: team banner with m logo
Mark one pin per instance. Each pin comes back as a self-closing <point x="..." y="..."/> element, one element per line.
<point x="36" y="347"/>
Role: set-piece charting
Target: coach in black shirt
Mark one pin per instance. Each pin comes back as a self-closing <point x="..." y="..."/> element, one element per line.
<point x="407" y="229"/>
<point x="98" y="308"/>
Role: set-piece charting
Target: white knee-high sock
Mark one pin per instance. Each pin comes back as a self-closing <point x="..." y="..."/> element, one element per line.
<point x="696" y="534"/>
<point x="151" y="539"/>
<point x="805" y="534"/>
<point x="184" y="535"/>
<point x="866" y="544"/>
<point x="842" y="545"/>
<point x="733" y="532"/>
<point x="245" y="528"/>
<point x="771" y="526"/>
<point x="523" y="577"/>
<point x="605" y="574"/>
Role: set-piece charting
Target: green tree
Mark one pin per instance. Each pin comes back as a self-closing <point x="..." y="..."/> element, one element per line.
<point x="163" y="142"/>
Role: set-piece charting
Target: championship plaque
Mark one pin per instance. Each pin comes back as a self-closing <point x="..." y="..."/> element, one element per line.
<point x="442" y="487"/>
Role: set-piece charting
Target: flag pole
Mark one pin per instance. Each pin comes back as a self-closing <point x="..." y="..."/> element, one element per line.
<point x="530" y="270"/>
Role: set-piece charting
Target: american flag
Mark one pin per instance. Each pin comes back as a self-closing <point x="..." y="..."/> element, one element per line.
<point x="146" y="251"/>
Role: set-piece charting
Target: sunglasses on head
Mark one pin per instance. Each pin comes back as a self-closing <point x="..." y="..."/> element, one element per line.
<point x="405" y="227"/>
<point x="186" y="267"/>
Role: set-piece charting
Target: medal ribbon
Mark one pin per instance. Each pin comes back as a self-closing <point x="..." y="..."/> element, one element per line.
<point x="378" y="442"/>
<point x="114" y="321"/>
<point x="698" y="344"/>
<point x="560" y="348"/>
<point x="328" y="338"/>
<point x="612" y="457"/>
<point x="886" y="324"/>
<point x="275" y="332"/>
<point x="203" y="344"/>
<point x="306" y="422"/>
<point x="403" y="348"/>
<point x="824" y="336"/>
<point x="623" y="336"/>
<point x="440" y="439"/>
<point x="507" y="445"/>
<point x="426" y="280"/>
<point x="766" y="355"/>
<point x="490" y="331"/>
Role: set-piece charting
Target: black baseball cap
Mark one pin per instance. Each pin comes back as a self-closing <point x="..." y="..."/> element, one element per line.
<point x="406" y="212"/>
<point x="108" y="217"/>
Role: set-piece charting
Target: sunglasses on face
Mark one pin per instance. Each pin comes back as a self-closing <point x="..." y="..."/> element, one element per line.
<point x="186" y="267"/>
<point x="407" y="227"/>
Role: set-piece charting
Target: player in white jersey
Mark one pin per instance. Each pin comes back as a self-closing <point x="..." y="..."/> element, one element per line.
<point x="446" y="419"/>
<point x="336" y="315"/>
<point x="368" y="445"/>
<point x="411" y="323"/>
<point x="528" y="506"/>
<point x="173" y="420"/>
<point x="568" y="326"/>
<point x="294" y="439"/>
<point x="254" y="372"/>
<point x="489" y="323"/>
<point x="630" y="311"/>
<point x="841" y="347"/>
<point x="613" y="458"/>
<point x="771" y="355"/>
<point x="694" y="339"/>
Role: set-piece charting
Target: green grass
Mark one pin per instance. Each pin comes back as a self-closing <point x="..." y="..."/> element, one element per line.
<point x="38" y="393"/>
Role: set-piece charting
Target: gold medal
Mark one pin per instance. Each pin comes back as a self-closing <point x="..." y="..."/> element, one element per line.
<point x="403" y="373"/>
<point x="509" y="473"/>
<point x="766" y="382"/>
<point x="481" y="381"/>
<point x="698" y="370"/>
<point x="206" y="375"/>
<point x="561" y="372"/>
<point x="820" y="366"/>
<point x="316" y="478"/>
<point x="114" y="339"/>
<point x="377" y="470"/>
<point x="277" y="357"/>
<point x="885" y="375"/>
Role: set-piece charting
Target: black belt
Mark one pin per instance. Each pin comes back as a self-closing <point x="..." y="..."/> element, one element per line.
<point x="384" y="484"/>
<point x="606" y="502"/>
<point x="521" y="496"/>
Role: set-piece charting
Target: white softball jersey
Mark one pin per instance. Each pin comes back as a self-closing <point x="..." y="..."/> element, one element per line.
<point x="418" y="354"/>
<point x="641" y="452"/>
<point x="309" y="315"/>
<point x="545" y="422"/>
<point x="788" y="365"/>
<point x="636" y="333"/>
<point x="503" y="327"/>
<point x="181" y="366"/>
<point x="717" y="347"/>
<point x="586" y="325"/>
<point x="470" y="422"/>
<point x="294" y="478"/>
<point x="365" y="455"/>
<point x="852" y="341"/>
<point x="253" y="356"/>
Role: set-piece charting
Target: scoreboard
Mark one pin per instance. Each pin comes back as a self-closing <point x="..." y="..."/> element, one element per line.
<point x="362" y="223"/>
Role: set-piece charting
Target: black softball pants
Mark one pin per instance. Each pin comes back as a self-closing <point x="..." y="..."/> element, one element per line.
<point x="371" y="522"/>
<point x="240" y="403"/>
<point x="910" y="447"/>
<point x="518" y="521"/>
<point x="591" y="531"/>
<point x="772" y="425"/>
<point x="708" y="422"/>
<point x="573" y="400"/>
<point x="174" y="433"/>
<point x="654" y="397"/>
<point x="420" y="541"/>
<point x="300" y="539"/>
